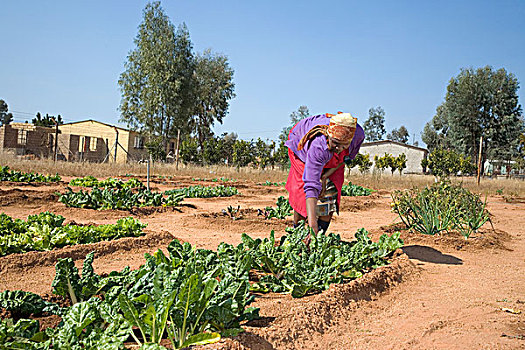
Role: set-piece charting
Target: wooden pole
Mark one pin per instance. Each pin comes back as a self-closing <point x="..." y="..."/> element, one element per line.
<point x="147" y="181"/>
<point x="116" y="146"/>
<point x="56" y="141"/>
<point x="479" y="158"/>
<point x="177" y="151"/>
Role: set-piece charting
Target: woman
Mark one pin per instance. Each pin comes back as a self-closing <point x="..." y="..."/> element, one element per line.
<point x="317" y="147"/>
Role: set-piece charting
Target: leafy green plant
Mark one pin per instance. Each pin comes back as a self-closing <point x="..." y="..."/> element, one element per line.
<point x="233" y="213"/>
<point x="282" y="210"/>
<point x="91" y="181"/>
<point x="23" y="304"/>
<point x="293" y="267"/>
<point x="205" y="192"/>
<point x="18" y="176"/>
<point x="355" y="190"/>
<point x="269" y="183"/>
<point x="119" y="198"/>
<point x="439" y="208"/>
<point x="46" y="231"/>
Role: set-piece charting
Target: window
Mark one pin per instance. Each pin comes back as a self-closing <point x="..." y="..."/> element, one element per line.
<point x="172" y="147"/>
<point x="81" y="143"/>
<point x="93" y="144"/>
<point x="22" y="137"/>
<point x="138" y="142"/>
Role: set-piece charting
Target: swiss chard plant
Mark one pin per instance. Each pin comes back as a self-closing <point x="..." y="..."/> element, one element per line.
<point x="17" y="176"/>
<point x="91" y="181"/>
<point x="355" y="190"/>
<point x="46" y="231"/>
<point x="281" y="211"/>
<point x="119" y="198"/>
<point x="205" y="192"/>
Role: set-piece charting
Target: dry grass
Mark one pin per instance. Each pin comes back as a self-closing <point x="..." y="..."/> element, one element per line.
<point x="509" y="187"/>
<point x="103" y="170"/>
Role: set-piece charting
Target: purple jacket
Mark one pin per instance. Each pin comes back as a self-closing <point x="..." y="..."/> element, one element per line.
<point x="315" y="154"/>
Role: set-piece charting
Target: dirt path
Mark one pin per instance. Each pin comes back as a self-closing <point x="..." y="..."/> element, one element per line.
<point x="454" y="303"/>
<point x="452" y="300"/>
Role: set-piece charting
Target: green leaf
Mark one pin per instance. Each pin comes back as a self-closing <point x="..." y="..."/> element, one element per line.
<point x="202" y="339"/>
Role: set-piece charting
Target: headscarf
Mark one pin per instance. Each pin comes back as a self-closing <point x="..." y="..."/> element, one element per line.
<point x="342" y="128"/>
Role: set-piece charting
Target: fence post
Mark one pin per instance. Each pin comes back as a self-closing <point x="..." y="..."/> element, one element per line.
<point x="479" y="158"/>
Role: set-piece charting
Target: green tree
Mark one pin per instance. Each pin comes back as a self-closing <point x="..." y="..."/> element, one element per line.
<point x="401" y="162"/>
<point x="301" y="113"/>
<point x="374" y="126"/>
<point x="263" y="152"/>
<point x="383" y="162"/>
<point x="481" y="102"/>
<point x="243" y="153"/>
<point x="213" y="90"/>
<point x="281" y="155"/>
<point x="189" y="151"/>
<point x="47" y="121"/>
<point x="443" y="163"/>
<point x="362" y="161"/>
<point x="156" y="85"/>
<point x="5" y="117"/>
<point x="399" y="135"/>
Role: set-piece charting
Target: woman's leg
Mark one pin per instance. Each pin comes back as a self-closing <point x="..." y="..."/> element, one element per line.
<point x="323" y="222"/>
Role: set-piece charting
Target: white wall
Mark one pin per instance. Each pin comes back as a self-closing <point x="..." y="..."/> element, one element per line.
<point x="414" y="156"/>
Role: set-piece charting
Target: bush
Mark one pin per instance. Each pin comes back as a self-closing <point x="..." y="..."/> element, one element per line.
<point x="441" y="207"/>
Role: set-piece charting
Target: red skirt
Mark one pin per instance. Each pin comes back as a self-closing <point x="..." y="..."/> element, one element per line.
<point x="295" y="183"/>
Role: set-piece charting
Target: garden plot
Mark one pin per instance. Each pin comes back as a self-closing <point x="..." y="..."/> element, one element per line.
<point x="345" y="316"/>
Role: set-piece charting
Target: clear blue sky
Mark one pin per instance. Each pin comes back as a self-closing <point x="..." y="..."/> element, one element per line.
<point x="65" y="57"/>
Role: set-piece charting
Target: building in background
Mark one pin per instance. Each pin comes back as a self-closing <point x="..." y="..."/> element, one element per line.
<point x="24" y="139"/>
<point x="414" y="154"/>
<point x="95" y="141"/>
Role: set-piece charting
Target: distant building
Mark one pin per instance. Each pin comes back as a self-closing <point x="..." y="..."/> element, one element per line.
<point x="414" y="154"/>
<point x="95" y="141"/>
<point x="27" y="139"/>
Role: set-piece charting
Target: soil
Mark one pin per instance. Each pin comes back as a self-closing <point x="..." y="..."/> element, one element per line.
<point x="439" y="292"/>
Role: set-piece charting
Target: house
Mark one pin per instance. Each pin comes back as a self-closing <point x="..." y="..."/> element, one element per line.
<point x="414" y="154"/>
<point x="27" y="139"/>
<point x="95" y="141"/>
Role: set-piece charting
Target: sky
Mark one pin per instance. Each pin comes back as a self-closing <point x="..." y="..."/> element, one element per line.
<point x="65" y="57"/>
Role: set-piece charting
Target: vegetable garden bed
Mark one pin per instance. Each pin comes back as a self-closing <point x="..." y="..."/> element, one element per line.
<point x="195" y="295"/>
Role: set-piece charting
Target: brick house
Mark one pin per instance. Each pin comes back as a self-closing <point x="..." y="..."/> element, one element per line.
<point x="27" y="139"/>
<point x="95" y="141"/>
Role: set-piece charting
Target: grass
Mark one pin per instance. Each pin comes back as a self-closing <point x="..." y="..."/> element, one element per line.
<point x="509" y="187"/>
<point x="487" y="186"/>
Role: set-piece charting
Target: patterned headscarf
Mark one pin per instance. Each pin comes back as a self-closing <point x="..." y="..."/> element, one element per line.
<point x="342" y="128"/>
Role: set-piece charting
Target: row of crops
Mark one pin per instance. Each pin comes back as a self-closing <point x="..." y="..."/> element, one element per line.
<point x="18" y="176"/>
<point x="46" y="231"/>
<point x="188" y="295"/>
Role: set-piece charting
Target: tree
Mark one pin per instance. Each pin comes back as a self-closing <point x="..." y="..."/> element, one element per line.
<point x="5" y="117"/>
<point x="481" y="102"/>
<point x="156" y="85"/>
<point x="243" y="153"/>
<point x="383" y="162"/>
<point x="374" y="126"/>
<point x="213" y="90"/>
<point x="399" y="135"/>
<point x="435" y="132"/>
<point x="281" y="155"/>
<point x="47" y="121"/>
<point x="301" y="113"/>
<point x="401" y="162"/>
<point x="444" y="163"/>
<point x="362" y="161"/>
